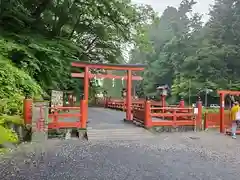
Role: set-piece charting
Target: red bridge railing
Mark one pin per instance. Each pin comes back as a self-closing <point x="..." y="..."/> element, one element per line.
<point x="168" y="116"/>
<point x="119" y="104"/>
<point x="212" y="120"/>
<point x="58" y="117"/>
<point x="150" y="113"/>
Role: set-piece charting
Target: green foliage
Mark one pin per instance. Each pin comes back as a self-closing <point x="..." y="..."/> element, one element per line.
<point x="16" y="119"/>
<point x="189" y="56"/>
<point x="15" y="84"/>
<point x="43" y="37"/>
<point x="6" y="134"/>
<point x="40" y="39"/>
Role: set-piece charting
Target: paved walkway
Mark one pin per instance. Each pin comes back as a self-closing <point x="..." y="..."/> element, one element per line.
<point x="107" y="125"/>
<point x="168" y="156"/>
<point x="100" y="118"/>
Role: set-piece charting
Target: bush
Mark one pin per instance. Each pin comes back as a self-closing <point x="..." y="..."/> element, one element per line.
<point x="14" y="86"/>
<point x="6" y="134"/>
<point x="4" y="119"/>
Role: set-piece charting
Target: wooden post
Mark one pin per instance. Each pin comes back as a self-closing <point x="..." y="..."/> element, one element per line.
<point x="182" y="103"/>
<point x="27" y="111"/>
<point x="222" y="104"/>
<point x="55" y="116"/>
<point x="199" y="115"/>
<point x="206" y="121"/>
<point x="174" y="124"/>
<point x="86" y="89"/>
<point x="147" y="118"/>
<point x="105" y="102"/>
<point x="163" y="99"/>
<point x="83" y="111"/>
<point x="129" y="96"/>
<point x="86" y="83"/>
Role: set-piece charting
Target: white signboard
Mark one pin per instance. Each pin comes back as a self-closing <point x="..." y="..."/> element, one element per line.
<point x="56" y="98"/>
<point x="195" y="110"/>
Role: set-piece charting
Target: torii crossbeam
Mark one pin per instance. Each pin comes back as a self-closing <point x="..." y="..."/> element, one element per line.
<point x="105" y="76"/>
<point x="127" y="67"/>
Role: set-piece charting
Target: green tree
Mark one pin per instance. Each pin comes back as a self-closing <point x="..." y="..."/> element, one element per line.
<point x="43" y="37"/>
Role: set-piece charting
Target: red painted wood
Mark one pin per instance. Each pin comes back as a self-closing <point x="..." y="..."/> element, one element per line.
<point x="221" y="114"/>
<point x="212" y="120"/>
<point x="86" y="83"/>
<point x="84" y="108"/>
<point x="199" y="115"/>
<point x="59" y="125"/>
<point x="27" y="111"/>
<point x="228" y="92"/>
<point x="148" y="117"/>
<point x="129" y="96"/>
<point x="172" y="123"/>
<point x="172" y="115"/>
<point x="106" y="76"/>
<point x="109" y="66"/>
<point x="64" y="108"/>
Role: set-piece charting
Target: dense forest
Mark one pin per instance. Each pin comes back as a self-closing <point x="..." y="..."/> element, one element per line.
<point x="40" y="38"/>
<point x="190" y="56"/>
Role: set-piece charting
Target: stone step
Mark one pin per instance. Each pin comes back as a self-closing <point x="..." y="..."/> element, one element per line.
<point x="119" y="134"/>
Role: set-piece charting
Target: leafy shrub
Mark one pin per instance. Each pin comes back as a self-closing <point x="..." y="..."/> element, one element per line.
<point x="16" y="119"/>
<point x="14" y="86"/>
<point x="8" y="135"/>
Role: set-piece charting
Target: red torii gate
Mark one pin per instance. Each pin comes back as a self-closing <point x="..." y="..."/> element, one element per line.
<point x="127" y="67"/>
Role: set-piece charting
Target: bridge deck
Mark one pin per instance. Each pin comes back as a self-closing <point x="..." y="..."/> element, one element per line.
<point x="108" y="125"/>
<point x="100" y="118"/>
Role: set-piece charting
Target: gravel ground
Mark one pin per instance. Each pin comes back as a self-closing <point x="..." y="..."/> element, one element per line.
<point x="185" y="156"/>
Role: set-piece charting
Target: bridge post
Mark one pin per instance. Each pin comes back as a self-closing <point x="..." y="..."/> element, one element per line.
<point x="86" y="88"/>
<point x="199" y="115"/>
<point x="27" y="111"/>
<point x="147" y="118"/>
<point x="86" y="82"/>
<point x="129" y="96"/>
<point x="83" y="111"/>
<point x="222" y="104"/>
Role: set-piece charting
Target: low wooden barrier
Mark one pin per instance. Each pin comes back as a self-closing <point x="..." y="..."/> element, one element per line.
<point x="139" y="116"/>
<point x="212" y="120"/>
<point x="37" y="117"/>
<point x="120" y="104"/>
<point x="57" y="118"/>
<point x="168" y="116"/>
